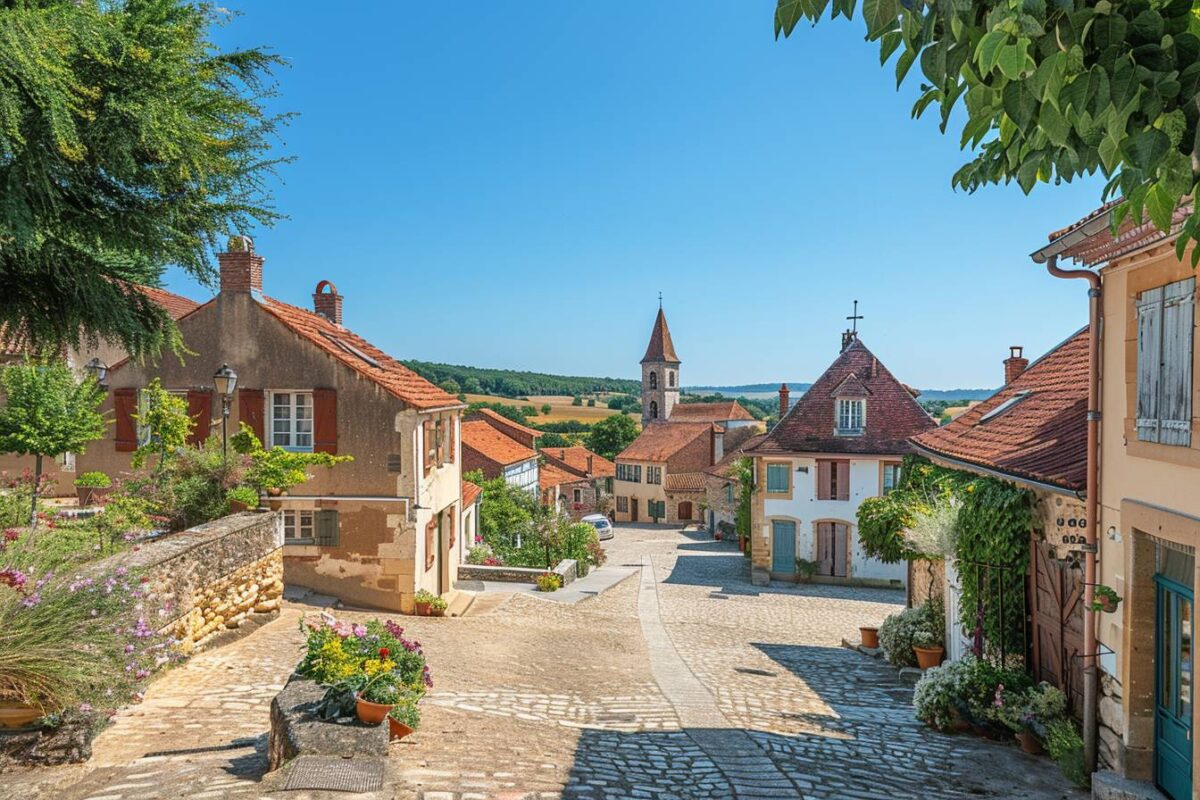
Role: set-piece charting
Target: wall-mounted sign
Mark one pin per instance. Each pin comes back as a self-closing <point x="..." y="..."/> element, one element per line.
<point x="1064" y="519"/>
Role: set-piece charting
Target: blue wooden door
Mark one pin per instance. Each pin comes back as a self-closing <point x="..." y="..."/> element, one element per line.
<point x="1173" y="693"/>
<point x="783" y="547"/>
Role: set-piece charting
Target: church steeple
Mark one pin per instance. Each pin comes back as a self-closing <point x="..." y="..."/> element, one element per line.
<point x="660" y="373"/>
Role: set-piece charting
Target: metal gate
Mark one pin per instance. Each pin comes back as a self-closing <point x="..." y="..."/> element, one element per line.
<point x="1056" y="605"/>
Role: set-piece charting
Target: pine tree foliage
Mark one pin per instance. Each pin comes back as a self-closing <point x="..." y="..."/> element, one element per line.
<point x="128" y="142"/>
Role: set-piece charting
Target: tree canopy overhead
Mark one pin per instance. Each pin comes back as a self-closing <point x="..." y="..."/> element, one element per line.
<point x="1052" y="89"/>
<point x="128" y="142"/>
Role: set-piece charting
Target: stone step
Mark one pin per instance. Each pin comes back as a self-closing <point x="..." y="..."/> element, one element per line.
<point x="460" y="603"/>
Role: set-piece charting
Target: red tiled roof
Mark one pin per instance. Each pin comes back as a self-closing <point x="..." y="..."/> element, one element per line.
<point x="1103" y="246"/>
<point x="470" y="493"/>
<point x="1040" y="437"/>
<point x="661" y="440"/>
<point x="515" y="430"/>
<point x="550" y="476"/>
<point x="481" y="437"/>
<point x="576" y="460"/>
<point x="710" y="412"/>
<point x="336" y="341"/>
<point x="892" y="413"/>
<point x="661" y="348"/>
<point x="684" y="482"/>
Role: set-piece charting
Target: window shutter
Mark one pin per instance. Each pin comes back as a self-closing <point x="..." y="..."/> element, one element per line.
<point x="125" y="406"/>
<point x="325" y="437"/>
<point x="327" y="530"/>
<point x="430" y="556"/>
<point x="824" y="480"/>
<point x="1175" y="394"/>
<point x="843" y="480"/>
<point x="1149" y="363"/>
<point x="200" y="410"/>
<point x="251" y="410"/>
<point x="453" y="443"/>
<point x="426" y="442"/>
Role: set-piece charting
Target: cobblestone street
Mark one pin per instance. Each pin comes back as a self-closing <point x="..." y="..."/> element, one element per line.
<point x="683" y="681"/>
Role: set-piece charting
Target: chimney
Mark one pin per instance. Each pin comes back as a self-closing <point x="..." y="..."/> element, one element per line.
<point x="784" y="392"/>
<point x="562" y="455"/>
<point x="1015" y="364"/>
<point x="328" y="303"/>
<point x="848" y="338"/>
<point x="589" y="464"/>
<point x="241" y="267"/>
<point x="718" y="443"/>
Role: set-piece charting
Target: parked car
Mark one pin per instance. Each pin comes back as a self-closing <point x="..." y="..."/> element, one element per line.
<point x="604" y="528"/>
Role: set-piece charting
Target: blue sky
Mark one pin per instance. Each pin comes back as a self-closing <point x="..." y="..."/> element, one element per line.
<point x="511" y="185"/>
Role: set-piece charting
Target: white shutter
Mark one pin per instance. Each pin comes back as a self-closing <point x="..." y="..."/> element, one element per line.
<point x="1175" y="395"/>
<point x="1149" y="363"/>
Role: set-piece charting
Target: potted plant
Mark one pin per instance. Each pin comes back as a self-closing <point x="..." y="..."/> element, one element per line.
<point x="276" y="470"/>
<point x="378" y="696"/>
<point x="805" y="570"/>
<point x="1028" y="714"/>
<point x="241" y="498"/>
<point x="437" y="607"/>
<point x="1105" y="599"/>
<point x="91" y="487"/>
<point x="423" y="601"/>
<point x="404" y="717"/>
<point x="869" y="636"/>
<point x="928" y="639"/>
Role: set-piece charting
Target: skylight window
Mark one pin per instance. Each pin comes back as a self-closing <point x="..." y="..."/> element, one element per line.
<point x="351" y="349"/>
<point x="1006" y="405"/>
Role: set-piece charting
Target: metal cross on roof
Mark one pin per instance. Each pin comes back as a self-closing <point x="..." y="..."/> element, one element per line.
<point x="854" y="318"/>
<point x="660" y="301"/>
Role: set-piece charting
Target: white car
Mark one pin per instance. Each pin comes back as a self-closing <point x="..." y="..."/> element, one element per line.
<point x="604" y="528"/>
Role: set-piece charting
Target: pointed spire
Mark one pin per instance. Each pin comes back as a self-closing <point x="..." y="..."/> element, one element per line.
<point x="661" y="348"/>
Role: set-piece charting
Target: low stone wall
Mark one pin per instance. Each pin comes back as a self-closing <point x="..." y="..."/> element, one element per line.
<point x="567" y="569"/>
<point x="211" y="578"/>
<point x="478" y="572"/>
<point x="296" y="731"/>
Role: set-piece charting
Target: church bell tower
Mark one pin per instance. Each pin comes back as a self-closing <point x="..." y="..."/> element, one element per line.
<point x="660" y="373"/>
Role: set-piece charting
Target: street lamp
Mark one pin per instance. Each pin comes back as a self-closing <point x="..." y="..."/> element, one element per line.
<point x="97" y="369"/>
<point x="225" y="381"/>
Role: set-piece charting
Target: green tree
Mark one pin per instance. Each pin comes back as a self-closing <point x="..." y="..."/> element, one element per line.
<point x="1053" y="91"/>
<point x="450" y="386"/>
<point x="506" y="511"/>
<point x="552" y="439"/>
<point x="165" y="425"/>
<point x="48" y="413"/>
<point x="546" y="409"/>
<point x="128" y="141"/>
<point x="576" y="400"/>
<point x="611" y="435"/>
<point x="472" y="386"/>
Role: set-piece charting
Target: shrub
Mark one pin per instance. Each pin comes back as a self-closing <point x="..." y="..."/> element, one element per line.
<point x="1033" y="710"/>
<point x="244" y="495"/>
<point x="278" y="469"/>
<point x="1066" y="747"/>
<point x="971" y="686"/>
<point x="483" y="555"/>
<point x="93" y="480"/>
<point x="576" y="400"/>
<point x="805" y="568"/>
<point x="16" y="497"/>
<point x="549" y="582"/>
<point x="900" y="631"/>
<point x="591" y="403"/>
<point x="438" y="604"/>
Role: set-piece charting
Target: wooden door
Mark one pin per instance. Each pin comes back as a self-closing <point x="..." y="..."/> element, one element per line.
<point x="1057" y="614"/>
<point x="832" y="549"/>
<point x="783" y="547"/>
<point x="685" y="510"/>
<point x="633" y="509"/>
<point x="1173" y="688"/>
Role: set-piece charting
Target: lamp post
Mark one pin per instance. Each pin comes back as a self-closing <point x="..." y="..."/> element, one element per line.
<point x="225" y="381"/>
<point x="97" y="369"/>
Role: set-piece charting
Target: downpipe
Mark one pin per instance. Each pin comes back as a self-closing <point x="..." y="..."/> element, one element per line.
<point x="1091" y="678"/>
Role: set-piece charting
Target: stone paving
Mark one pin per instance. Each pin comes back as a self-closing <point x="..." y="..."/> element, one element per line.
<point x="683" y="681"/>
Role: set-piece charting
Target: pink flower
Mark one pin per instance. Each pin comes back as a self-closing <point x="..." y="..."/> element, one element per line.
<point x="358" y="630"/>
<point x="342" y="628"/>
<point x="85" y="707"/>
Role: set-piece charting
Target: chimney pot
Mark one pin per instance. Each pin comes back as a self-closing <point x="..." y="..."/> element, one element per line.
<point x="1015" y="364"/>
<point x="784" y="393"/>
<point x="241" y="269"/>
<point x="328" y="303"/>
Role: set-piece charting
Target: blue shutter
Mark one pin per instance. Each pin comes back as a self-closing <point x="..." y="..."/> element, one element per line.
<point x="1175" y="394"/>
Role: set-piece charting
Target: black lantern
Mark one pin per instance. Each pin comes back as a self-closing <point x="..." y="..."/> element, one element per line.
<point x="97" y="369"/>
<point x="225" y="381"/>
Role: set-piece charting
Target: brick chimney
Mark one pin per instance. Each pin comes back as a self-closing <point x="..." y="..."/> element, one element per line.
<point x="589" y="464"/>
<point x="241" y="267"/>
<point x="328" y="303"/>
<point x="784" y="392"/>
<point x="1015" y="364"/>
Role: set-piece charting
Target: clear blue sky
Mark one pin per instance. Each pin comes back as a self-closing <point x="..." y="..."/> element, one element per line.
<point x="511" y="184"/>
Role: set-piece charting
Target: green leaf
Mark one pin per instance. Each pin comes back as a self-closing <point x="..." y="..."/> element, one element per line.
<point x="1020" y="105"/>
<point x="1011" y="60"/>
<point x="1057" y="129"/>
<point x="880" y="16"/>
<point x="1160" y="205"/>
<point x="988" y="51"/>
<point x="788" y="14"/>
<point x="1110" y="153"/>
<point x="888" y="44"/>
<point x="1146" y="149"/>
<point x="904" y="64"/>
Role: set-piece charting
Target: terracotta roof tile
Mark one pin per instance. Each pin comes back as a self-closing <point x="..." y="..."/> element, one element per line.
<point x="494" y="445"/>
<point x="550" y="476"/>
<point x="661" y="440"/>
<point x="1042" y="436"/>
<point x="684" y="482"/>
<point x="470" y="493"/>
<point x="661" y="348"/>
<point x="515" y="430"/>
<point x="1102" y="247"/>
<point x="342" y="344"/>
<point x="576" y="458"/>
<point x="892" y="413"/>
<point x="720" y="411"/>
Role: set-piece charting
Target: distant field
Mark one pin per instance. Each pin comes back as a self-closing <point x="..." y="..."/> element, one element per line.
<point x="561" y="409"/>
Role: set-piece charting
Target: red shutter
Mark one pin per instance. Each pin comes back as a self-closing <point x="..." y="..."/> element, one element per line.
<point x="325" y="439"/>
<point x="426" y="442"/>
<point x="200" y="410"/>
<point x="843" y="480"/>
<point x="252" y="411"/>
<point x="824" y="481"/>
<point x="125" y="406"/>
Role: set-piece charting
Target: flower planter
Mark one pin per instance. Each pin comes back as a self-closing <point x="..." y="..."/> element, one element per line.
<point x="1029" y="743"/>
<point x="1107" y="604"/>
<point x="18" y="715"/>
<point x="928" y="657"/>
<point x="422" y="609"/>
<point x="397" y="730"/>
<point x="371" y="713"/>
<point x="437" y="612"/>
<point x="237" y="507"/>
<point x="91" y="495"/>
<point x="870" y="637"/>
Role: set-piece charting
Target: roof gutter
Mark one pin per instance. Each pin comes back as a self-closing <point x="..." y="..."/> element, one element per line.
<point x="969" y="466"/>
<point x="1070" y="239"/>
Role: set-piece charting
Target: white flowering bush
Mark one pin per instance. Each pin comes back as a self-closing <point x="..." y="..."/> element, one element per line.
<point x="940" y="690"/>
<point x="922" y="626"/>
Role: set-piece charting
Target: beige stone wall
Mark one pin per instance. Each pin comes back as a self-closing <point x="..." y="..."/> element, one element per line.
<point x="643" y="492"/>
<point x="256" y="588"/>
<point x="926" y="579"/>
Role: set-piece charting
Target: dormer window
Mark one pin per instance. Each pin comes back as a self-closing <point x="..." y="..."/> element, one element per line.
<point x="851" y="417"/>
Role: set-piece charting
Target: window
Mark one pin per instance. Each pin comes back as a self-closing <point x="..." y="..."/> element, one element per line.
<point x="671" y="378"/>
<point x="833" y="479"/>
<point x="778" y="478"/>
<point x="729" y="493"/>
<point x="653" y="380"/>
<point x="891" y="476"/>
<point x="143" y="405"/>
<point x="297" y="525"/>
<point x="577" y="495"/>
<point x="657" y="509"/>
<point x="1165" y="341"/>
<point x="629" y="472"/>
<point x="654" y="475"/>
<point x="292" y="420"/>
<point x="850" y="417"/>
<point x="653" y="409"/>
<point x="623" y="504"/>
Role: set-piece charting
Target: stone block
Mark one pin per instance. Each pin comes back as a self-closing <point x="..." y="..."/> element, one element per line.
<point x="296" y="731"/>
<point x="1111" y="713"/>
<point x="760" y="576"/>
<point x="1111" y="786"/>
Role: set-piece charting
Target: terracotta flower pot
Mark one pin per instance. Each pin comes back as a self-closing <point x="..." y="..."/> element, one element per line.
<point x="1030" y="744"/>
<point x="1107" y="604"/>
<point x="870" y="637"/>
<point x="371" y="713"/>
<point x="397" y="730"/>
<point x="928" y="657"/>
<point x="422" y="609"/>
<point x="18" y="715"/>
<point x="237" y="507"/>
<point x="437" y="612"/>
<point x="90" y="495"/>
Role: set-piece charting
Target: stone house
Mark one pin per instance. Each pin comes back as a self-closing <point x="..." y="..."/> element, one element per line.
<point x="499" y="447"/>
<point x="721" y="485"/>
<point x="578" y="480"/>
<point x="841" y="443"/>
<point x="1148" y="525"/>
<point x="371" y="532"/>
<point x="659" y="476"/>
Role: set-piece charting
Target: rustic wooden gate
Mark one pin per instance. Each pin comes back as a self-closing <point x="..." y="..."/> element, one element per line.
<point x="1056" y="602"/>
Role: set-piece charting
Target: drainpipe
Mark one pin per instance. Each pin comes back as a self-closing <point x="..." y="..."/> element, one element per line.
<point x="1090" y="670"/>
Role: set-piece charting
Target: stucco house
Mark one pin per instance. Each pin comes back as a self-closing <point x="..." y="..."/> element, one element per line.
<point x="660" y="475"/>
<point x="499" y="447"/>
<point x="579" y="481"/>
<point x="841" y="443"/>
<point x="371" y="532"/>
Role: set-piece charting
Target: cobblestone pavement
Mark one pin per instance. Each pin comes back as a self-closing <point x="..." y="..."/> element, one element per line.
<point x="683" y="681"/>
